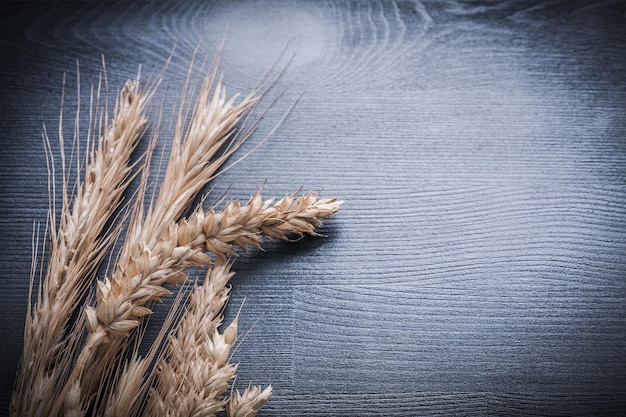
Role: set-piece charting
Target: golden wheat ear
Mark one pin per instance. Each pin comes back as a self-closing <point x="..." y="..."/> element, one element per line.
<point x="199" y="352"/>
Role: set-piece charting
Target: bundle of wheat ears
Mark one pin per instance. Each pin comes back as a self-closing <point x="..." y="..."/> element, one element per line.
<point x="82" y="334"/>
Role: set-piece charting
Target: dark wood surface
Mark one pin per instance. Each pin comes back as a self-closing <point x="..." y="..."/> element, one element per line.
<point x="478" y="265"/>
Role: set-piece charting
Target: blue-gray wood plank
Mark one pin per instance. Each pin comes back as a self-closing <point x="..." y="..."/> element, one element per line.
<point x="478" y="265"/>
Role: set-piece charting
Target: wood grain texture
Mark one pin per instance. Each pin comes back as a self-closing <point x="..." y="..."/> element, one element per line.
<point x="477" y="267"/>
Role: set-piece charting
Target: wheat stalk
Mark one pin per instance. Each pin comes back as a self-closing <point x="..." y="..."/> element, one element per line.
<point x="77" y="248"/>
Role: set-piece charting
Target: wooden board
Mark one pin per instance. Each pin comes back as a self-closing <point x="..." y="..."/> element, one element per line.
<point x="478" y="265"/>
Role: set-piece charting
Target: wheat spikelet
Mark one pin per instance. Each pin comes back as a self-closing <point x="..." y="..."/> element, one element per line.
<point x="77" y="248"/>
<point x="72" y="402"/>
<point x="249" y="403"/>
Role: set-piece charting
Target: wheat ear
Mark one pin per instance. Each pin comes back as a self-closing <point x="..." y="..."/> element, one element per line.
<point x="77" y="248"/>
<point x="196" y="156"/>
<point x="194" y="373"/>
<point x="246" y="225"/>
